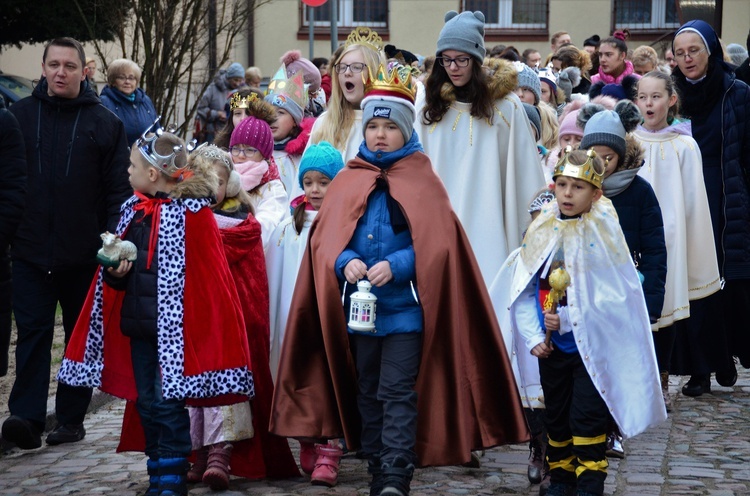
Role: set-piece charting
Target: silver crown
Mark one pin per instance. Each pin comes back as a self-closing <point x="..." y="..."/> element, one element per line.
<point x="163" y="163"/>
<point x="540" y="201"/>
<point x="213" y="152"/>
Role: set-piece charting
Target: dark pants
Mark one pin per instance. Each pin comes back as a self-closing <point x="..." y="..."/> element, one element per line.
<point x="387" y="369"/>
<point x="166" y="422"/>
<point x="6" y="307"/>
<point x="576" y="420"/>
<point x="664" y="340"/>
<point x="37" y="293"/>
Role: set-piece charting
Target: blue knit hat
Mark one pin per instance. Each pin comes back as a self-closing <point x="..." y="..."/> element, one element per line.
<point x="707" y="33"/>
<point x="527" y="78"/>
<point x="236" y="71"/>
<point x="463" y="32"/>
<point x="322" y="157"/>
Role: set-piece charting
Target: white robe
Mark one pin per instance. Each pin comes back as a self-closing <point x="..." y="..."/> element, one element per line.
<point x="283" y="258"/>
<point x="288" y="171"/>
<point x="355" y="138"/>
<point x="606" y="309"/>
<point x="491" y="172"/>
<point x="271" y="206"/>
<point x="675" y="171"/>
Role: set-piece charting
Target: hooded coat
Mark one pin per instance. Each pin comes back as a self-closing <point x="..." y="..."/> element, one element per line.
<point x="213" y="101"/>
<point x="467" y="398"/>
<point x="77" y="161"/>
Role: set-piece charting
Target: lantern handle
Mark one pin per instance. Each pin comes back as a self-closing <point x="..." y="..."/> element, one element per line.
<point x="343" y="294"/>
<point x="413" y="292"/>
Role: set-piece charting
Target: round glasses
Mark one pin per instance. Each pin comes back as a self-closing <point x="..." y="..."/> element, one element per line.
<point x="356" y="67"/>
<point x="126" y="78"/>
<point x="692" y="53"/>
<point x="459" y="61"/>
<point x="236" y="151"/>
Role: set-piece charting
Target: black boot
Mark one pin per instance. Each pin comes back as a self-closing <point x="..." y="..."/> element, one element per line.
<point x="397" y="477"/>
<point x="376" y="470"/>
<point x="536" y="461"/>
<point x="728" y="377"/>
<point x="697" y="385"/>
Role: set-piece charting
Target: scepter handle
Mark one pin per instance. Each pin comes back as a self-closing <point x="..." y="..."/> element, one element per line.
<point x="548" y="336"/>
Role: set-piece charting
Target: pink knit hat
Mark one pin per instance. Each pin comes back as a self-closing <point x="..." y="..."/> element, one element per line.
<point x="568" y="125"/>
<point x="295" y="62"/>
<point x="253" y="132"/>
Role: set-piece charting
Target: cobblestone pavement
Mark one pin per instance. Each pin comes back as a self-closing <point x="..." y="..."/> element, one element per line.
<point x="702" y="449"/>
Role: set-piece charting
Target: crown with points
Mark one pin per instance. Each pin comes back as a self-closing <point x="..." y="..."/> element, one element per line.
<point x="586" y="171"/>
<point x="293" y="88"/>
<point x="214" y="153"/>
<point x="397" y="82"/>
<point x="242" y="102"/>
<point x="362" y="35"/>
<point x="163" y="163"/>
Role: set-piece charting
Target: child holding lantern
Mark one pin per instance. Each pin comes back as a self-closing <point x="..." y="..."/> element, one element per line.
<point x="397" y="391"/>
<point x="601" y="356"/>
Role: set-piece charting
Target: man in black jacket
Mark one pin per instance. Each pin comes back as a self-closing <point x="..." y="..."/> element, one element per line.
<point x="77" y="158"/>
<point x="12" y="196"/>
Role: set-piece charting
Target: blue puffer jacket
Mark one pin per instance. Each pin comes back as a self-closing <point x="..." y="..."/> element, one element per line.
<point x="641" y="221"/>
<point x="137" y="115"/>
<point x="719" y="108"/>
<point x="375" y="240"/>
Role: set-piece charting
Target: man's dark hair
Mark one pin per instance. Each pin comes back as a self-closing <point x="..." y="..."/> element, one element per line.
<point x="69" y="43"/>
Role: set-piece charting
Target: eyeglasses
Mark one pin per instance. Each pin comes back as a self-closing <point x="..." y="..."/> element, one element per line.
<point x="126" y="78"/>
<point x="245" y="152"/>
<point x="459" y="61"/>
<point x="692" y="53"/>
<point x="356" y="67"/>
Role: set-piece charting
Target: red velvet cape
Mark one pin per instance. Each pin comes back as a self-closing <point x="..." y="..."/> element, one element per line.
<point x="264" y="455"/>
<point x="467" y="396"/>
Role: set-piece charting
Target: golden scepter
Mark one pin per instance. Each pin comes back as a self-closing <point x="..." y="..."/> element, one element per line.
<point x="559" y="280"/>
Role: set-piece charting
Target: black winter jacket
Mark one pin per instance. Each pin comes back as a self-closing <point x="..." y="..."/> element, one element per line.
<point x="12" y="175"/>
<point x="641" y="221"/>
<point x="76" y="161"/>
<point x="719" y="108"/>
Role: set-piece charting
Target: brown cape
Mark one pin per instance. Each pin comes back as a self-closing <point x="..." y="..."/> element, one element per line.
<point x="467" y="396"/>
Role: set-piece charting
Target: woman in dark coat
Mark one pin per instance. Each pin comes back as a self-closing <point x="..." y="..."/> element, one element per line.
<point x="719" y="107"/>
<point x="128" y="102"/>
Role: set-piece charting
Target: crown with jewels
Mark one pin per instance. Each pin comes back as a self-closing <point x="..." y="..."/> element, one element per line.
<point x="397" y="82"/>
<point x="362" y="35"/>
<point x="586" y="171"/>
<point x="163" y="163"/>
<point x="214" y="153"/>
<point x="243" y="102"/>
<point x="293" y="88"/>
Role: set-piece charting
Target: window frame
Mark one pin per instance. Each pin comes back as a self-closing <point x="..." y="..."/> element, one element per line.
<point x="663" y="30"/>
<point x="346" y="23"/>
<point x="497" y="32"/>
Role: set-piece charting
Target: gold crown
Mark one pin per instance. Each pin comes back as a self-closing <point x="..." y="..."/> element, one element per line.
<point x="585" y="172"/>
<point x="396" y="82"/>
<point x="362" y="35"/>
<point x="242" y="102"/>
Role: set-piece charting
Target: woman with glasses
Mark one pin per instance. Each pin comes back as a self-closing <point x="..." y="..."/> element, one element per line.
<point x="341" y="123"/>
<point x="475" y="131"/>
<point x="128" y="102"/>
<point x="718" y="106"/>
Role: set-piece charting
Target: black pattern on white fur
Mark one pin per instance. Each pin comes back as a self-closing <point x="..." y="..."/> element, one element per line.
<point x="170" y="298"/>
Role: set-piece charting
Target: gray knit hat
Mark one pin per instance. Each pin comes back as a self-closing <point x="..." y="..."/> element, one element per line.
<point x="737" y="53"/>
<point x="398" y="110"/>
<point x="528" y="78"/>
<point x="605" y="128"/>
<point x="236" y="71"/>
<point x="463" y="32"/>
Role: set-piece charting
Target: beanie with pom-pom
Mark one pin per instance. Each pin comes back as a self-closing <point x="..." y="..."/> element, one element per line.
<point x="567" y="79"/>
<point x="608" y="127"/>
<point x="463" y="32"/>
<point x="295" y="62"/>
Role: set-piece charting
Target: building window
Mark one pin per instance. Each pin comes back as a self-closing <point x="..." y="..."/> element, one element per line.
<point x="511" y="15"/>
<point x="646" y="15"/>
<point x="351" y="13"/>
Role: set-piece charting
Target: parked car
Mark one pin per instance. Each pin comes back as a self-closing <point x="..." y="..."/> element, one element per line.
<point x="13" y="88"/>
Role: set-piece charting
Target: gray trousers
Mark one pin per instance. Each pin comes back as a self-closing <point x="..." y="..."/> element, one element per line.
<point x="387" y="370"/>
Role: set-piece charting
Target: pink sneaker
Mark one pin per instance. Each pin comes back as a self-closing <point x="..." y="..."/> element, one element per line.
<point x="307" y="457"/>
<point x="326" y="466"/>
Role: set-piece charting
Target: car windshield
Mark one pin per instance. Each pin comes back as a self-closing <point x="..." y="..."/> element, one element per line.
<point x="17" y="85"/>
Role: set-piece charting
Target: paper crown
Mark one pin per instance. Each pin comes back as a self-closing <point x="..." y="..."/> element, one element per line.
<point x="242" y="102"/>
<point x="585" y="172"/>
<point x="293" y="88"/>
<point x="164" y="163"/>
<point x="397" y="82"/>
<point x="362" y="35"/>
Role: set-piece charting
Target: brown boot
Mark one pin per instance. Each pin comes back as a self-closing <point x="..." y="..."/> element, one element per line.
<point x="195" y="474"/>
<point x="664" y="377"/>
<point x="217" y="471"/>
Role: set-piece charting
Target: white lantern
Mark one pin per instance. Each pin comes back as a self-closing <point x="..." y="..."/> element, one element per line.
<point x="362" y="308"/>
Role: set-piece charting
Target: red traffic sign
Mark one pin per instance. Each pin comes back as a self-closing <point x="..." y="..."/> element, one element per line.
<point x="314" y="3"/>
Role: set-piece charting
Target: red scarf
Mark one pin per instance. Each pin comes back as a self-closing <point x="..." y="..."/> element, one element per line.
<point x="151" y="206"/>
